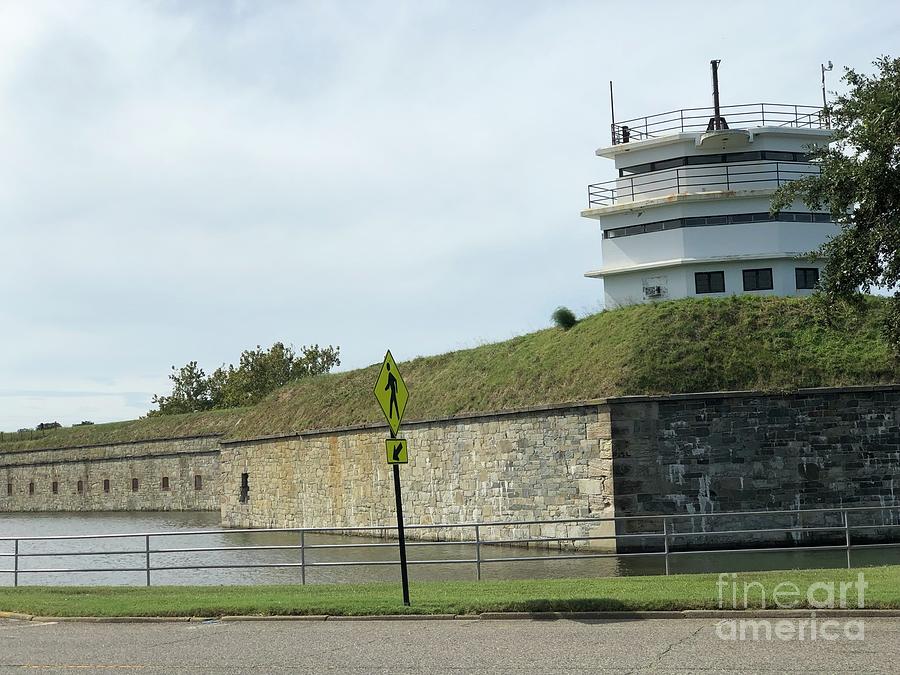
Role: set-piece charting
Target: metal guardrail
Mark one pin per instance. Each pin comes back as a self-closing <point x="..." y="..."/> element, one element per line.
<point x="701" y="178"/>
<point x="736" y="117"/>
<point x="666" y="536"/>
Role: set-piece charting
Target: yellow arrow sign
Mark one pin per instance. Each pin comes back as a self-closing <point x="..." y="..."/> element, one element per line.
<point x="391" y="392"/>
<point x="397" y="451"/>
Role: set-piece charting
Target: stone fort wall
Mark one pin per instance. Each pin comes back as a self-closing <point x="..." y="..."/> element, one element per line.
<point x="520" y="465"/>
<point x="102" y="477"/>
<point x="710" y="453"/>
<point x="681" y="455"/>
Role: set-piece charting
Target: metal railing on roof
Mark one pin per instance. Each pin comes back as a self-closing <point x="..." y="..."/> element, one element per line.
<point x="735" y="116"/>
<point x="701" y="178"/>
<point x="663" y="532"/>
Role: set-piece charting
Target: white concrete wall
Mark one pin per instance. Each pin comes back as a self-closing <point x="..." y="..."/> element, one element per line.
<point x="785" y="139"/>
<point x="715" y="241"/>
<point x="678" y="281"/>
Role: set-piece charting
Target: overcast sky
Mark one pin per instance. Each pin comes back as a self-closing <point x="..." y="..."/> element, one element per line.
<point x="184" y="180"/>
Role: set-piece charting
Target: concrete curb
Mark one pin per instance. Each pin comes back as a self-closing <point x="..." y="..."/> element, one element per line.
<point x="395" y="617"/>
<point x="488" y="616"/>
<point x="278" y="617"/>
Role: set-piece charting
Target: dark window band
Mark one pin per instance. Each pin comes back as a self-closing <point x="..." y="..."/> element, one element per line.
<point x="695" y="160"/>
<point x="701" y="221"/>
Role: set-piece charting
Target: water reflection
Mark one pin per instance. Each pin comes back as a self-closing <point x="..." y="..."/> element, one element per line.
<point x="126" y="566"/>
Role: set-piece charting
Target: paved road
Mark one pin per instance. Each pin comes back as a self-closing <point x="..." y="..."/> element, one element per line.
<point x="683" y="645"/>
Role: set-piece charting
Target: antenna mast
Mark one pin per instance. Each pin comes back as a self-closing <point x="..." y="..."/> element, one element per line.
<point x="717" y="114"/>
<point x="612" y="113"/>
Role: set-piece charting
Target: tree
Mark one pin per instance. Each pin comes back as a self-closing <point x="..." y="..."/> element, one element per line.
<point x="190" y="392"/>
<point x="859" y="183"/>
<point x="564" y="318"/>
<point x="259" y="373"/>
<point x="263" y="371"/>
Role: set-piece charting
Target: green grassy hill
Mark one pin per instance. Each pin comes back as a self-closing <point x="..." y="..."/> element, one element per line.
<point x="681" y="346"/>
<point x="172" y="426"/>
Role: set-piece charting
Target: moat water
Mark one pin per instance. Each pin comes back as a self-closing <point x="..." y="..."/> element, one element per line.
<point x="50" y="524"/>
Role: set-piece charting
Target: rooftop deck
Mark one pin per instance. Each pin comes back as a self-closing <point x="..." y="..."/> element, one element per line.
<point x="735" y="117"/>
<point x="692" y="179"/>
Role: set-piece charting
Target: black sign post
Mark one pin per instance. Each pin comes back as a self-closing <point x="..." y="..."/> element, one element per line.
<point x="404" y="575"/>
<point x="392" y="395"/>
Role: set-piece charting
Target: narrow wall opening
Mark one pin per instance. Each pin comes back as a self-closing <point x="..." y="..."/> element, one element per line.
<point x="245" y="488"/>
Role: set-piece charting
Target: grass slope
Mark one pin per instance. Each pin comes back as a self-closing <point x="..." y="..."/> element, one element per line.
<point x="746" y="342"/>
<point x="676" y="592"/>
<point x="171" y="426"/>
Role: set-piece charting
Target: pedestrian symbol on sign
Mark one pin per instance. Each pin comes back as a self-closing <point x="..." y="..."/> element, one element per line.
<point x="392" y="385"/>
<point x="391" y="392"/>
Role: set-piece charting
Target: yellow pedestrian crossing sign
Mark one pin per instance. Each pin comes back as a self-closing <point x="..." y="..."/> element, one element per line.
<point x="397" y="451"/>
<point x="391" y="392"/>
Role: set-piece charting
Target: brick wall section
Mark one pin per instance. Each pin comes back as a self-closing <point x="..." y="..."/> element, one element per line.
<point x="520" y="465"/>
<point x="179" y="460"/>
<point x="745" y="452"/>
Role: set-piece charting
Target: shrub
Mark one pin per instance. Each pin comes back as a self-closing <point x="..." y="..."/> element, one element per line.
<point x="564" y="318"/>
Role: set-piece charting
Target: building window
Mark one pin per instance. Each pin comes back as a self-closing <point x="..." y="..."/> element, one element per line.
<point x="134" y="484"/>
<point x="198" y="482"/>
<point x="709" y="282"/>
<point x="165" y="483"/>
<point x="758" y="280"/>
<point x="807" y="277"/>
<point x="31" y="488"/>
<point x="106" y="484"/>
<point x="55" y="487"/>
<point x="245" y="488"/>
<point x="9" y="489"/>
<point x="701" y="221"/>
<point x="80" y="487"/>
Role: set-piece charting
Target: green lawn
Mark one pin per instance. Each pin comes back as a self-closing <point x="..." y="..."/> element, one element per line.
<point x="677" y="592"/>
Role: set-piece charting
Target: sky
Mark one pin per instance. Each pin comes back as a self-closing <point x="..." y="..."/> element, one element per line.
<point x="185" y="180"/>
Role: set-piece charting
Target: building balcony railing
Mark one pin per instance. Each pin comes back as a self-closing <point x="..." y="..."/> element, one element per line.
<point x="734" y="116"/>
<point x="691" y="180"/>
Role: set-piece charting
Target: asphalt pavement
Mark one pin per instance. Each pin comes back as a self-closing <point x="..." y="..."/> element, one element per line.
<point x="458" y="646"/>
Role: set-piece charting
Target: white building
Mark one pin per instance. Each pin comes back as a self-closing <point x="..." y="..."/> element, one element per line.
<point x="688" y="215"/>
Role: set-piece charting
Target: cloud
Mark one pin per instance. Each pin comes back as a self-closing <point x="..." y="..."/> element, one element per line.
<point x="186" y="180"/>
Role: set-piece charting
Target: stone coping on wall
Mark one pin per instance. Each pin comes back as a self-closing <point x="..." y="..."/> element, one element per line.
<point x="112" y="444"/>
<point x="807" y="391"/>
<point x="98" y="460"/>
<point x="512" y="412"/>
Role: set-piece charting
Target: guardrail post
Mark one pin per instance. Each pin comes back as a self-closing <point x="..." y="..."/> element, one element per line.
<point x="303" y="557"/>
<point x="727" y="178"/>
<point x="147" y="557"/>
<point x="762" y="110"/>
<point x="847" y="534"/>
<point x="16" y="563"/>
<point x="777" y="174"/>
<point x="478" y="553"/>
<point x="666" y="543"/>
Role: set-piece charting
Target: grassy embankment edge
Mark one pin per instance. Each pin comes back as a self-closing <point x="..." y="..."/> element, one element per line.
<point x="634" y="594"/>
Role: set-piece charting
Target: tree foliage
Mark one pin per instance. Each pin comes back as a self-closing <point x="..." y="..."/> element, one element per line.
<point x="564" y="318"/>
<point x="859" y="184"/>
<point x="259" y="372"/>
